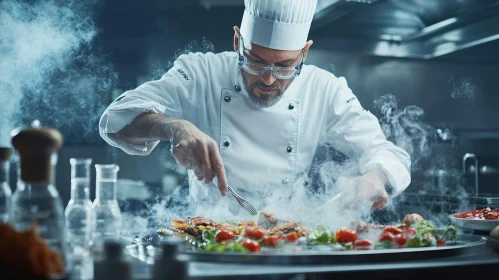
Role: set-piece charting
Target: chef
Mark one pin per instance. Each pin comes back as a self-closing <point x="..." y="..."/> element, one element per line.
<point x="253" y="118"/>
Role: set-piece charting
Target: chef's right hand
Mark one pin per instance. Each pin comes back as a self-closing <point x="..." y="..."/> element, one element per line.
<point x="195" y="150"/>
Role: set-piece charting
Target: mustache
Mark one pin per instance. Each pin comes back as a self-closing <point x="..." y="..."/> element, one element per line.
<point x="264" y="86"/>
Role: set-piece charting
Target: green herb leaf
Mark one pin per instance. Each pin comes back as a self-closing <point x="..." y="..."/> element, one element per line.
<point x="219" y="247"/>
<point x="348" y="245"/>
<point x="320" y="236"/>
<point x="208" y="236"/>
<point x="383" y="244"/>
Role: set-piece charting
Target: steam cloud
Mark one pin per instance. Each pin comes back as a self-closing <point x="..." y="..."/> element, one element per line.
<point x="405" y="127"/>
<point x="49" y="70"/>
<point x="463" y="88"/>
<point x="204" y="46"/>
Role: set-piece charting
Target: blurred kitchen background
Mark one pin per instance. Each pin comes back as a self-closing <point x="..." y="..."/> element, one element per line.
<point x="439" y="57"/>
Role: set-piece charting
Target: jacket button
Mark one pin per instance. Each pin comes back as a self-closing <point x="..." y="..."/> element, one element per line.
<point x="237" y="88"/>
<point x="227" y="99"/>
<point x="291" y="106"/>
<point x="226" y="144"/>
<point x="290" y="149"/>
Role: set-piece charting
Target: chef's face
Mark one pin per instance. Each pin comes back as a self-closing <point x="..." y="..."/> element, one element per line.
<point x="267" y="90"/>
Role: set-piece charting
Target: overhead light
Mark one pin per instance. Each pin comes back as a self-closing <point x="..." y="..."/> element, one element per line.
<point x="363" y="1"/>
<point x="439" y="25"/>
<point x="389" y="37"/>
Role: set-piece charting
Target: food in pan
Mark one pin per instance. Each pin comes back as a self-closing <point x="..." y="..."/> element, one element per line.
<point x="272" y="232"/>
<point x="480" y="214"/>
<point x="24" y="254"/>
<point x="412" y="218"/>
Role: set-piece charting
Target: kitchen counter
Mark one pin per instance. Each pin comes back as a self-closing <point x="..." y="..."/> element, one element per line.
<point x="478" y="261"/>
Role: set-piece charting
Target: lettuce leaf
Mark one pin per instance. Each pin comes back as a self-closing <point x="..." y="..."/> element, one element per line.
<point x="219" y="247"/>
<point x="321" y="236"/>
<point x="426" y="234"/>
<point x="208" y="236"/>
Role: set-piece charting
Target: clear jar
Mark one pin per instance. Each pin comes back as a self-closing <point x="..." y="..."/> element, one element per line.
<point x="39" y="203"/>
<point x="107" y="214"/>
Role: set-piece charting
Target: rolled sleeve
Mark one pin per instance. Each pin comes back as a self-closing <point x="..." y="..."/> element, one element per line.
<point x="117" y="117"/>
<point x="167" y="96"/>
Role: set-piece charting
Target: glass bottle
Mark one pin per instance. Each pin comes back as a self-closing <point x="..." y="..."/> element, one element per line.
<point x="107" y="214"/>
<point x="78" y="212"/>
<point x="36" y="200"/>
<point x="5" y="191"/>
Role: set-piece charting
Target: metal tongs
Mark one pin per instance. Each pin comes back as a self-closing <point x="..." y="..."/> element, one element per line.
<point x="243" y="202"/>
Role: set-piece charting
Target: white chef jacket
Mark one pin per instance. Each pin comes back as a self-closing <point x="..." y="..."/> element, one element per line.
<point x="260" y="146"/>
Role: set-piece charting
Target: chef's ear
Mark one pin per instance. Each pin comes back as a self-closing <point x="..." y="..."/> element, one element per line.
<point x="306" y="48"/>
<point x="236" y="38"/>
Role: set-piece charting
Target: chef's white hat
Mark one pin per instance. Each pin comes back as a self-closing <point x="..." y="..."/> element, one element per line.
<point x="277" y="24"/>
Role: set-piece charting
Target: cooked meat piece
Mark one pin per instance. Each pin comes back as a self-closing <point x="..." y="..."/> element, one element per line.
<point x="287" y="227"/>
<point x="227" y="227"/>
<point x="268" y="220"/>
<point x="275" y="224"/>
<point x="193" y="231"/>
<point x="200" y="221"/>
<point x="179" y="224"/>
<point x="249" y="223"/>
<point x="412" y="218"/>
<point x="363" y="227"/>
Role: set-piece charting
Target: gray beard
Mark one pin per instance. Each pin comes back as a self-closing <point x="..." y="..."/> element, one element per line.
<point x="262" y="101"/>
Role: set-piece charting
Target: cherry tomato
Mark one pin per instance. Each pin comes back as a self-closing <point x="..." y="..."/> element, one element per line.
<point x="292" y="237"/>
<point x="363" y="243"/>
<point x="393" y="230"/>
<point x="251" y="245"/>
<point x="254" y="232"/>
<point x="440" y="241"/>
<point x="344" y="235"/>
<point x="280" y="236"/>
<point x="409" y="232"/>
<point x="400" y="239"/>
<point x="224" y="235"/>
<point x="272" y="241"/>
<point x="302" y="233"/>
<point x="387" y="236"/>
<point x="491" y="216"/>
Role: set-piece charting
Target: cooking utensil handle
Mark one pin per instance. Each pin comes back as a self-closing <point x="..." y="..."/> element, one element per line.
<point x="465" y="158"/>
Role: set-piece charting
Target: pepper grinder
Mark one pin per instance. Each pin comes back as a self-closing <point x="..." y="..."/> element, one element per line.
<point x="36" y="200"/>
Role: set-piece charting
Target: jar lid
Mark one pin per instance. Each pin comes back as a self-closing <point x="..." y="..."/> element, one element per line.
<point x="35" y="146"/>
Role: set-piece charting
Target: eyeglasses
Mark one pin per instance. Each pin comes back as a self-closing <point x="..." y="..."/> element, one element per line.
<point x="257" y="69"/>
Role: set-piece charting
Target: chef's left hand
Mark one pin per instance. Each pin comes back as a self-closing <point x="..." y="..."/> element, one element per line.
<point x="366" y="190"/>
